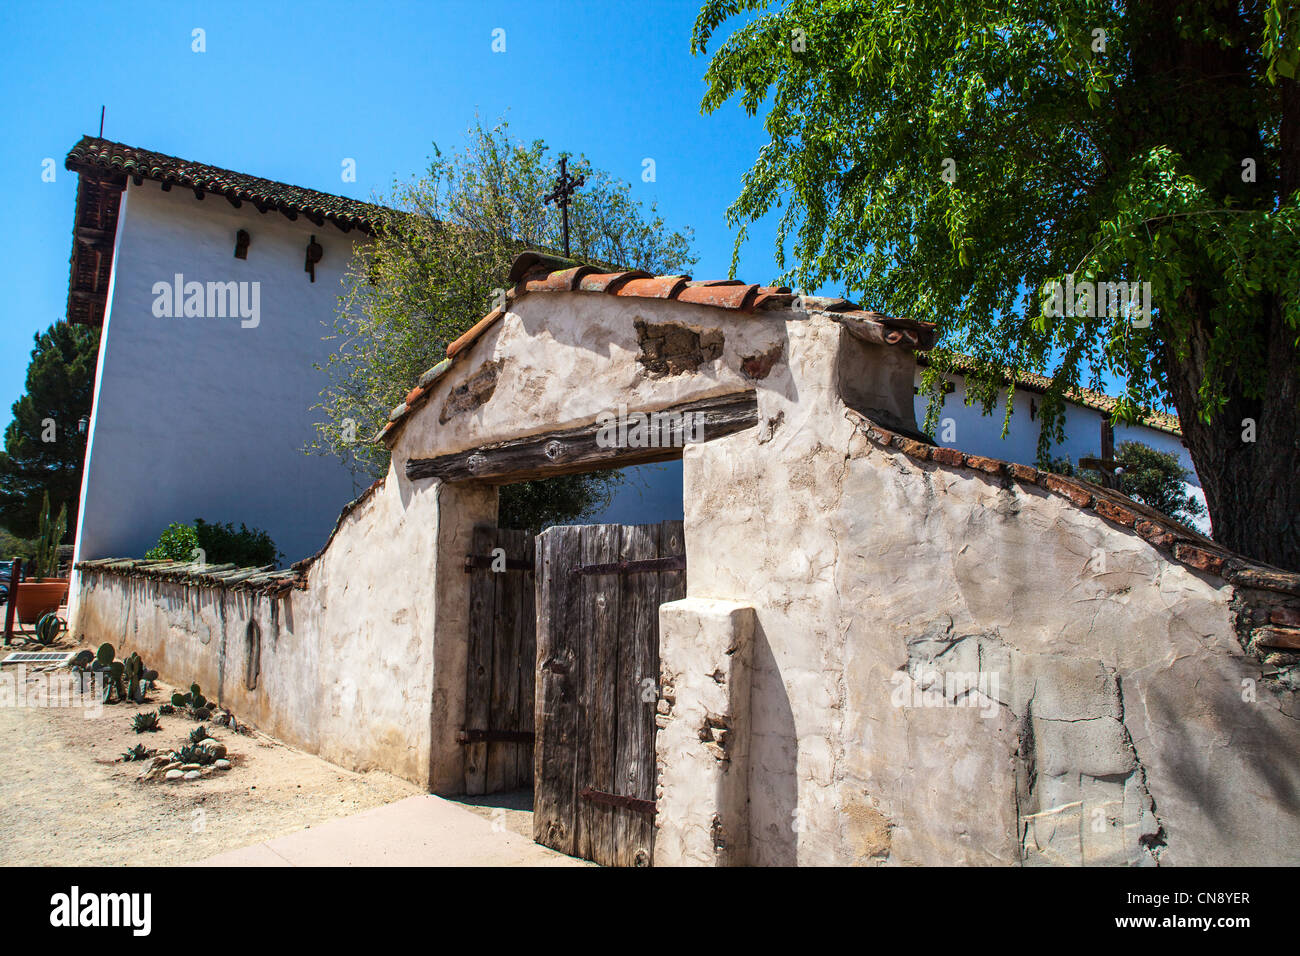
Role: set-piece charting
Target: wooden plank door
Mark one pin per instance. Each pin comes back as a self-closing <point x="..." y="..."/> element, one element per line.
<point x="499" y="679"/>
<point x="599" y="588"/>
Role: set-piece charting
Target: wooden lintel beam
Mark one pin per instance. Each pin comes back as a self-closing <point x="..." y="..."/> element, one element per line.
<point x="586" y="448"/>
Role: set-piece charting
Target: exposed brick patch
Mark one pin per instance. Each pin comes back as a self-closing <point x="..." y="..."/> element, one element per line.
<point x="670" y="349"/>
<point x="881" y="436"/>
<point x="1078" y="494"/>
<point x="758" y="366"/>
<point x="980" y="463"/>
<point x="471" y="394"/>
<point x="912" y="448"/>
<point x="1115" y="512"/>
<point x="1199" y="558"/>
<point x="1154" y="534"/>
<point x="946" y="456"/>
<point x="1023" y="473"/>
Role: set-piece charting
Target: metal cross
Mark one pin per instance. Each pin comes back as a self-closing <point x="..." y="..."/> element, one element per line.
<point x="562" y="195"/>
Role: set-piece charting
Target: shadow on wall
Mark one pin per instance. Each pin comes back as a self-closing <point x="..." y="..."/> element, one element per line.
<point x="1193" y="771"/>
<point x="773" y="763"/>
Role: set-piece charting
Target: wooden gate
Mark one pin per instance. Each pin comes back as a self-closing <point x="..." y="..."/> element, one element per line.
<point x="499" y="680"/>
<point x="599" y="588"/>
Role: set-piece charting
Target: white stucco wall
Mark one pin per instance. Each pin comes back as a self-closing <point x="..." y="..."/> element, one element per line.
<point x="201" y="417"/>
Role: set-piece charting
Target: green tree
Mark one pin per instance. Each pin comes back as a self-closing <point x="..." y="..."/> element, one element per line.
<point x="44" y="449"/>
<point x="947" y="160"/>
<point x="437" y="267"/>
<point x="1156" y="479"/>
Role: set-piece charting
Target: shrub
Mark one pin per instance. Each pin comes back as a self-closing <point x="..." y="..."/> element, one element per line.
<point x="219" y="544"/>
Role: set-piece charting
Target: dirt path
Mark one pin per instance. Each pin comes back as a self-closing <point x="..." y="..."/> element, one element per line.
<point x="65" y="799"/>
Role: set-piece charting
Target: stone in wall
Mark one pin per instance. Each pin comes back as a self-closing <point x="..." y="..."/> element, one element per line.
<point x="669" y="349"/>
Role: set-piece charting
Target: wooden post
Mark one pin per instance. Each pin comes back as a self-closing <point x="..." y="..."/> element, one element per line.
<point x="1108" y="477"/>
<point x="14" y="570"/>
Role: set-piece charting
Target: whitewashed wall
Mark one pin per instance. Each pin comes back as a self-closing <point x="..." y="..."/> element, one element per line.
<point x="200" y="417"/>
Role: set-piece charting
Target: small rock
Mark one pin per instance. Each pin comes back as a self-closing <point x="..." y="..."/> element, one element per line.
<point x="222" y="765"/>
<point x="192" y="775"/>
<point x="214" y="747"/>
<point x="187" y="767"/>
<point x="174" y="774"/>
<point x="172" y="765"/>
<point x="161" y="760"/>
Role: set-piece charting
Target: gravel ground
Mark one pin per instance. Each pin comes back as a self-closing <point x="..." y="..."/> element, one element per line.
<point x="66" y="799"/>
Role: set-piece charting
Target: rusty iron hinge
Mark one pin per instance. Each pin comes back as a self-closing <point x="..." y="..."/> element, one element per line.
<point x="676" y="562"/>
<point x="473" y="561"/>
<point x="635" y="804"/>
<point x="495" y="736"/>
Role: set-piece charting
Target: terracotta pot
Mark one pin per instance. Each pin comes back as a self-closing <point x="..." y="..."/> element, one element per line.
<point x="39" y="596"/>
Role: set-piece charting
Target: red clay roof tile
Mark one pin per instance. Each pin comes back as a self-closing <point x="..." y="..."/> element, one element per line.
<point x="610" y="282"/>
<point x="720" y="296"/>
<point x="659" y="287"/>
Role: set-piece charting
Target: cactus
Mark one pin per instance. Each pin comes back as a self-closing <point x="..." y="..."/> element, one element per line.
<point x="50" y="532"/>
<point x="47" y="629"/>
<point x="104" y="656"/>
<point x="199" y="733"/>
<point x="198" y="705"/>
<point x="166" y="709"/>
<point x="146" y="722"/>
<point x="139" y="680"/>
<point x="114" y="682"/>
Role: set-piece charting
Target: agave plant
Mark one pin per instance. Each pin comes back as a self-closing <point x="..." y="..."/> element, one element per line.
<point x="146" y="722"/>
<point x="192" y="753"/>
<point x="199" y="733"/>
<point x="138" y="752"/>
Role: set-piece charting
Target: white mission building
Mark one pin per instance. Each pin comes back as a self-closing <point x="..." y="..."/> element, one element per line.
<point x="211" y="323"/>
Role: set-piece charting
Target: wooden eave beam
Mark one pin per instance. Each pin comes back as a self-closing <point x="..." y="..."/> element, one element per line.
<point x="574" y="450"/>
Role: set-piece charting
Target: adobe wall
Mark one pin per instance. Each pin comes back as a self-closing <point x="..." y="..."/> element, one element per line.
<point x="1122" y="720"/>
<point x="845" y="584"/>
<point x="345" y="663"/>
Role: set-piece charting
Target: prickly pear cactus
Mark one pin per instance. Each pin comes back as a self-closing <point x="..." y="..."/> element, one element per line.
<point x="47" y="629"/>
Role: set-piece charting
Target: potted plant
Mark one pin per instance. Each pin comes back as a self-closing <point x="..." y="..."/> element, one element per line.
<point x="44" y="591"/>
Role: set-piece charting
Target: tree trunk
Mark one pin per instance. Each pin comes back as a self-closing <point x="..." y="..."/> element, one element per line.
<point x="1252" y="488"/>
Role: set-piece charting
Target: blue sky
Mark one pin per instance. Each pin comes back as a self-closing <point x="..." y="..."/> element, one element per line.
<point x="287" y="91"/>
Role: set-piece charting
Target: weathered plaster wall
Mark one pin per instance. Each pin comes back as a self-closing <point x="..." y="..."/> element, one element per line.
<point x="346" y="668"/>
<point x="1114" y="729"/>
<point x="561" y="360"/>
